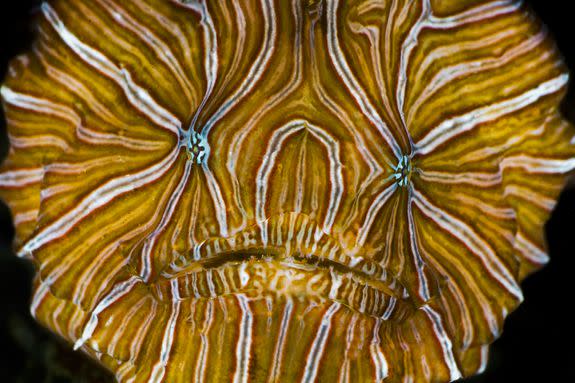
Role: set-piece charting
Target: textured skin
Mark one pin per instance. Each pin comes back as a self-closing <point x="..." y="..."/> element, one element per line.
<point x="281" y="191"/>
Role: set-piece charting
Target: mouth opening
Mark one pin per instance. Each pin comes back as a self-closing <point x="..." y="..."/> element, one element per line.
<point x="261" y="272"/>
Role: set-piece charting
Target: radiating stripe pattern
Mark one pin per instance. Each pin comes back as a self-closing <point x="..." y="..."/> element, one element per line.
<point x="284" y="191"/>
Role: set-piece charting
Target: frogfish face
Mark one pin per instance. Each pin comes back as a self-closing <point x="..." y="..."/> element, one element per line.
<point x="284" y="191"/>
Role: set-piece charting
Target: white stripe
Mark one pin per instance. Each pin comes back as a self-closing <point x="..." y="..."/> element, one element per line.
<point x="273" y="101"/>
<point x="472" y="240"/>
<point x="41" y="105"/>
<point x="457" y="47"/>
<point x="272" y="151"/>
<point x="121" y="289"/>
<point x="200" y="370"/>
<point x="279" y="349"/>
<point x="37" y="141"/>
<point x="445" y="342"/>
<point x="244" y="342"/>
<point x="530" y="196"/>
<point x="162" y="50"/>
<point x="39" y="296"/>
<point x="481" y="65"/>
<point x="529" y="250"/>
<point x="476" y="14"/>
<point x="345" y="73"/>
<point x="256" y="70"/>
<point x="56" y="322"/>
<point x="127" y="321"/>
<point x="374" y="208"/>
<point x="95" y="266"/>
<point x="68" y="114"/>
<point x="318" y="345"/>
<point x="218" y="200"/>
<point x="175" y="196"/>
<point x="535" y="165"/>
<point x="98" y="138"/>
<point x="139" y="337"/>
<point x="407" y="47"/>
<point x="423" y="289"/>
<point x="159" y="368"/>
<point x="98" y="198"/>
<point x="484" y="358"/>
<point x="25" y="216"/>
<point x="137" y="96"/>
<point x="389" y="310"/>
<point x="453" y="127"/>
<point x="211" y="51"/>
<point x="21" y="177"/>
<point x="505" y="213"/>
<point x="479" y="179"/>
<point x="351" y="331"/>
<point x="381" y="365"/>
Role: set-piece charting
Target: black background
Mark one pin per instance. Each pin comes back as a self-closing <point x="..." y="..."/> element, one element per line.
<point x="538" y="341"/>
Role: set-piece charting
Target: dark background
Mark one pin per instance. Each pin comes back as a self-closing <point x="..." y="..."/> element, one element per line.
<point x="538" y="341"/>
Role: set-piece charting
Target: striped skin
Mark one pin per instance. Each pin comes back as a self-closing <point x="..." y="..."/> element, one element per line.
<point x="284" y="191"/>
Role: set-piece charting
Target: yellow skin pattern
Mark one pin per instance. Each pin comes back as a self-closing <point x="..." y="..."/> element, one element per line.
<point x="284" y="190"/>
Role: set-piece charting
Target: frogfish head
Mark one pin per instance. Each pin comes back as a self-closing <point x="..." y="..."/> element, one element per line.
<point x="284" y="191"/>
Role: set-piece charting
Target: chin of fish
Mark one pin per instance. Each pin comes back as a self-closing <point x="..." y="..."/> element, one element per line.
<point x="284" y="191"/>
